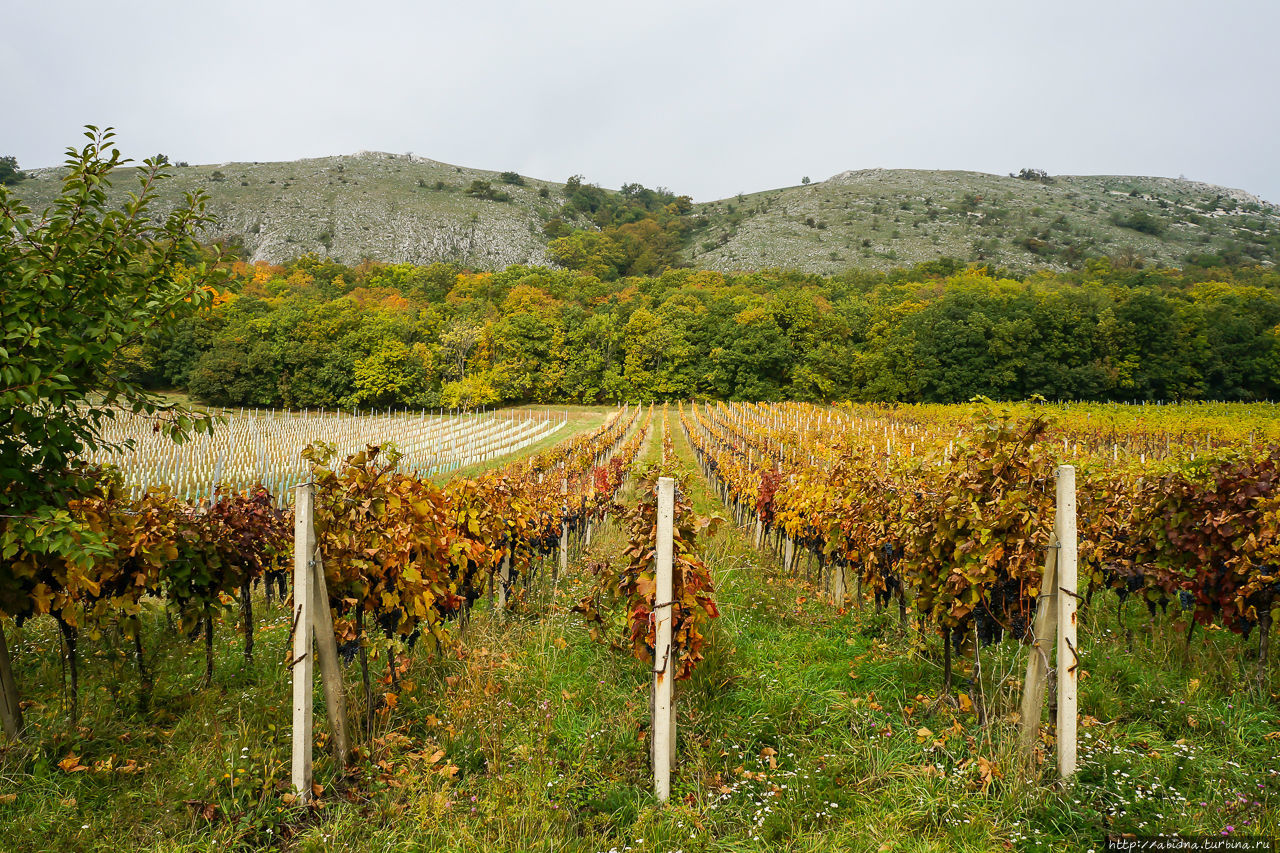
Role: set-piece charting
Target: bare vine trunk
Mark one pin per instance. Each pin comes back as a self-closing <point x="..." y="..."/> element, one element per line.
<point x="246" y="616"/>
<point x="979" y="696"/>
<point x="208" y="647"/>
<point x="1264" y="647"/>
<point x="146" y="686"/>
<point x="70" y="636"/>
<point x="364" y="675"/>
<point x="946" y="660"/>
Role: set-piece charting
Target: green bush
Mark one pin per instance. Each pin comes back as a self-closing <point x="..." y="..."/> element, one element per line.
<point x="1139" y="221"/>
<point x="485" y="190"/>
<point x="9" y="174"/>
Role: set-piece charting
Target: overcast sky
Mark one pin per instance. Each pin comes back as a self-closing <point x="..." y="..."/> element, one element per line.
<point x="705" y="98"/>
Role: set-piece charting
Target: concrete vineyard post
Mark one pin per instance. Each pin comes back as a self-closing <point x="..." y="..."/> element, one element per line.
<point x="1043" y="637"/>
<point x="663" y="653"/>
<point x="304" y="546"/>
<point x="313" y="622"/>
<point x="1067" y="588"/>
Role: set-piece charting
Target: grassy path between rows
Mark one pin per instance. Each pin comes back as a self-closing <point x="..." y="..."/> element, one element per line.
<point x="808" y="728"/>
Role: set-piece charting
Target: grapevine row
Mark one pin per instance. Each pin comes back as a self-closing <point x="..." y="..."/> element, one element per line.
<point x="624" y="601"/>
<point x="952" y="523"/>
<point x="399" y="552"/>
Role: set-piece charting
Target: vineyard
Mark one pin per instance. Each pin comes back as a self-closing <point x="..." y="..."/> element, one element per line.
<point x="260" y="447"/>
<point x="953" y="523"/>
<point x="853" y="594"/>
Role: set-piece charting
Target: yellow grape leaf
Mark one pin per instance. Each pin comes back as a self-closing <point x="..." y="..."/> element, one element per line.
<point x="42" y="596"/>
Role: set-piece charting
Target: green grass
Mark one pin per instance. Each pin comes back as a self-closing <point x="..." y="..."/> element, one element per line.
<point x="801" y="732"/>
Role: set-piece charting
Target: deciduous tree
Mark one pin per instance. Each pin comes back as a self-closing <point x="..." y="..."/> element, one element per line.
<point x="83" y="282"/>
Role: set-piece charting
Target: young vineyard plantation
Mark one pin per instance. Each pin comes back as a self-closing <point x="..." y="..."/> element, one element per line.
<point x="596" y="541"/>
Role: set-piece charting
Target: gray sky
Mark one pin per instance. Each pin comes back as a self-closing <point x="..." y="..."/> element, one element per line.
<point x="705" y="98"/>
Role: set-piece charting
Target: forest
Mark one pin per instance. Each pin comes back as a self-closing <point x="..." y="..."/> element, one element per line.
<point x="315" y="333"/>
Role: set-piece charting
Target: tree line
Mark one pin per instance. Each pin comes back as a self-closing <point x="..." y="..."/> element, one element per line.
<point x="314" y="333"/>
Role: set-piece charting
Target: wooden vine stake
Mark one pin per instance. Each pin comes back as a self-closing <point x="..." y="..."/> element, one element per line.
<point x="312" y="620"/>
<point x="10" y="710"/>
<point x="663" y="653"/>
<point x="1044" y="638"/>
<point x="504" y="579"/>
<point x="335" y="699"/>
<point x="1068" y="593"/>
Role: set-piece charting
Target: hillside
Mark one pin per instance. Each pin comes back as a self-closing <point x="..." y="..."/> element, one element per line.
<point x="389" y="207"/>
<point x="403" y="208"/>
<point x="895" y="217"/>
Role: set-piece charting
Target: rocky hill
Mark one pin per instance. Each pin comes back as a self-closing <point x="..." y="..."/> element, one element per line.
<point x="388" y="207"/>
<point x="892" y="217"/>
<point x="395" y="208"/>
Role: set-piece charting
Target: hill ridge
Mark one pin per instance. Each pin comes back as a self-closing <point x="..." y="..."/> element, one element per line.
<point x="411" y="208"/>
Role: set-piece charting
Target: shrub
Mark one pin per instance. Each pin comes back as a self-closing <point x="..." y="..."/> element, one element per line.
<point x="485" y="190"/>
<point x="1139" y="221"/>
<point x="9" y="174"/>
<point x="557" y="227"/>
